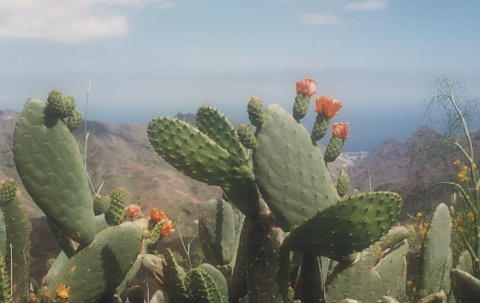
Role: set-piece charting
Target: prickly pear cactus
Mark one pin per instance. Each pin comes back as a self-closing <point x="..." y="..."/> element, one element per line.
<point x="50" y="164"/>
<point x="286" y="188"/>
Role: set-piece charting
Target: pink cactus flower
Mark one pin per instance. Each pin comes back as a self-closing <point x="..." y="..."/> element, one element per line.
<point x="307" y="87"/>
<point x="341" y="130"/>
<point x="327" y="106"/>
<point x="133" y="210"/>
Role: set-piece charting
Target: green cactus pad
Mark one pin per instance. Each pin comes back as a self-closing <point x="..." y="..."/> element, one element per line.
<point x="199" y="157"/>
<point x="309" y="286"/>
<point x="378" y="271"/>
<point x="265" y="282"/>
<point x="195" y="154"/>
<point x="153" y="263"/>
<point x="100" y="267"/>
<point x="51" y="167"/>
<point x="216" y="229"/>
<point x="64" y="242"/>
<point x="202" y="287"/>
<point x="291" y="173"/>
<point x="237" y="286"/>
<point x="466" y="286"/>
<point x="55" y="268"/>
<point x="18" y="238"/>
<point x="352" y="224"/>
<point x="220" y="283"/>
<point x="174" y="276"/>
<point x="437" y="252"/>
<point x="465" y="262"/>
<point x="216" y="126"/>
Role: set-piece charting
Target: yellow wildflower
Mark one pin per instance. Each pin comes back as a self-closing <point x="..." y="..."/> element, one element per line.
<point x="62" y="292"/>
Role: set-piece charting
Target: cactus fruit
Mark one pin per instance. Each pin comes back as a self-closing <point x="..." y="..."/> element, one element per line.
<point x="352" y="224"/>
<point x="74" y="120"/>
<point x="216" y="229"/>
<point x="8" y="190"/>
<point x="305" y="89"/>
<point x="320" y="127"/>
<point x="101" y="204"/>
<point x="300" y="106"/>
<point x="58" y="105"/>
<point x="116" y="213"/>
<point x="246" y="136"/>
<point x="343" y="183"/>
<point x="255" y="112"/>
<point x="51" y="167"/>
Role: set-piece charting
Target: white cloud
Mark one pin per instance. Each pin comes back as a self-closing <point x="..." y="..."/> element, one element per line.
<point x="65" y="21"/>
<point x="320" y="19"/>
<point x="167" y="5"/>
<point x="367" y="5"/>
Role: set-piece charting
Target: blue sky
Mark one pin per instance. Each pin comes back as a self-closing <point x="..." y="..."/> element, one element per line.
<point x="150" y="57"/>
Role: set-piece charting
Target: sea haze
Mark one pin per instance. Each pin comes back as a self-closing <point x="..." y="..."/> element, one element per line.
<point x="369" y="126"/>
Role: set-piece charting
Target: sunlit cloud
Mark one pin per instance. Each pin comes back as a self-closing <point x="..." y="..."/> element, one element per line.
<point x="66" y="21"/>
<point x="320" y="19"/>
<point x="367" y="5"/>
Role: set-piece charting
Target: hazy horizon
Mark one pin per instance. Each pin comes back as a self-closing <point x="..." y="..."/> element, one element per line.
<point x="161" y="57"/>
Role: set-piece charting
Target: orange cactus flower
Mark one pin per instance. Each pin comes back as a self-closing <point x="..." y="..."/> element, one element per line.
<point x="133" y="210"/>
<point x="62" y="292"/>
<point x="327" y="106"/>
<point x="341" y="130"/>
<point x="167" y="228"/>
<point x="307" y="87"/>
<point x="157" y="215"/>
